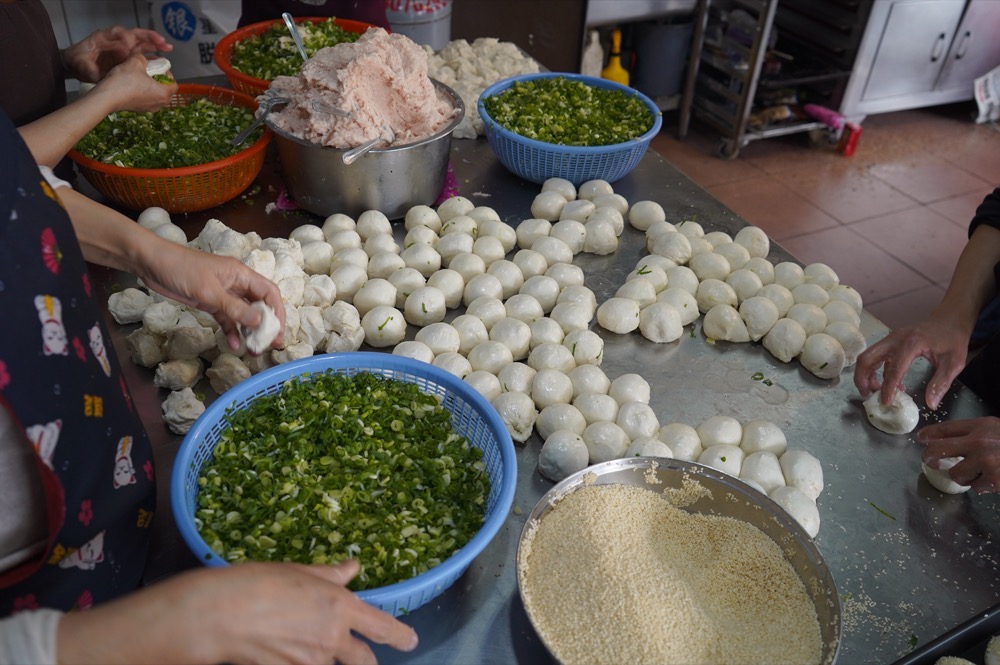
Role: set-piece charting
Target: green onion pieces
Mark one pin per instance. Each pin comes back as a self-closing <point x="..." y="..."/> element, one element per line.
<point x="273" y="53"/>
<point x="332" y="467"/>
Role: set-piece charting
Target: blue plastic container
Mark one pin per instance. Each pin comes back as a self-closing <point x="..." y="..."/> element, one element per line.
<point x="472" y="417"/>
<point x="538" y="161"/>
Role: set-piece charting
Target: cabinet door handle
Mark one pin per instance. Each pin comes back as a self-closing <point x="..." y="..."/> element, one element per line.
<point x="963" y="46"/>
<point x="938" y="49"/>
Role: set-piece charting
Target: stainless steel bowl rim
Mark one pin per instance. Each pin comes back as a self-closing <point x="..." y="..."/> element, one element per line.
<point x="444" y="131"/>
<point x="581" y="478"/>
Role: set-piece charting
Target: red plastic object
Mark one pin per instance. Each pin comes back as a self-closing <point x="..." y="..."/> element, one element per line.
<point x="849" y="139"/>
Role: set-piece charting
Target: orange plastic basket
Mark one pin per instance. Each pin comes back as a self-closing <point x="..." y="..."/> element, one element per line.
<point x="253" y="86"/>
<point x="186" y="188"/>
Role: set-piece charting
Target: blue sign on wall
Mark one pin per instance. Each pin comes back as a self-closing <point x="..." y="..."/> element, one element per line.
<point x="179" y="21"/>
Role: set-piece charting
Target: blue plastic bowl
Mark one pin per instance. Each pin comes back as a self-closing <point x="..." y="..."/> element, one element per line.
<point x="538" y="161"/>
<point x="472" y="417"/>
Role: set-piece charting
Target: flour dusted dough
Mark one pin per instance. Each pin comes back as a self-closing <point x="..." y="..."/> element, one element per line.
<point x="899" y="417"/>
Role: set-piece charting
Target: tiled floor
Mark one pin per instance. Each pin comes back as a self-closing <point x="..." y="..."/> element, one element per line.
<point x="891" y="219"/>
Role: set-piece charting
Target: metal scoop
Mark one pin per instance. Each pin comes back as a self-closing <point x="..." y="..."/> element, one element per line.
<point x="296" y="37"/>
<point x="269" y="104"/>
<point x="354" y="154"/>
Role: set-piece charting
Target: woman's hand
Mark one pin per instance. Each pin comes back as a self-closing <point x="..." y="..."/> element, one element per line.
<point x="246" y="613"/>
<point x="220" y="285"/>
<point x="943" y="343"/>
<point x="977" y="440"/>
<point x="127" y="87"/>
<point x="93" y="57"/>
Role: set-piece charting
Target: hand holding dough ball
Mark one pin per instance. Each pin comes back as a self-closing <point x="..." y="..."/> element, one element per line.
<point x="941" y="479"/>
<point x="898" y="417"/>
<point x="259" y="339"/>
<point x="563" y="454"/>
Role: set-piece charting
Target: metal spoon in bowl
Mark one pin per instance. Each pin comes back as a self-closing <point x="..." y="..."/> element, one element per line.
<point x="296" y="37"/>
<point x="269" y="104"/>
<point x="354" y="154"/>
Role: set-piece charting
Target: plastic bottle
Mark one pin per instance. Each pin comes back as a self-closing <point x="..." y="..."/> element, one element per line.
<point x="614" y="70"/>
<point x="593" y="56"/>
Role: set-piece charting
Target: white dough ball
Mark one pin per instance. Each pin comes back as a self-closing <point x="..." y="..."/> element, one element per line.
<point x="674" y="246"/>
<point x="762" y="268"/>
<point x="789" y="275"/>
<point x="510" y="276"/>
<point x="381" y="242"/>
<point x="337" y="222"/>
<point x="779" y="295"/>
<point x="578" y="210"/>
<point x="571" y="316"/>
<point x="691" y="228"/>
<point x="630" y="388"/>
<point x="420" y="235"/>
<point x="384" y="326"/>
<point x="307" y="233"/>
<point x="763" y="468"/>
<point x="592" y="189"/>
<point x="373" y="293"/>
<point x="661" y="323"/>
<point x="759" y="314"/>
<point x="171" y="232"/>
<point x="468" y="265"/>
<point x="838" y="310"/>
<point x="700" y="246"/>
<point x="661" y="262"/>
<point x="683" y="301"/>
<point x="471" y="331"/>
<point x="823" y="356"/>
<point x="683" y="441"/>
<point x="546" y="331"/>
<point x="422" y="215"/>
<point x="530" y="230"/>
<point x="638" y="420"/>
<point x="423" y="258"/>
<point x="524" y="307"/>
<point x="754" y="239"/>
<point x="560" y="416"/>
<point x="551" y="356"/>
<point x="745" y="283"/>
<point x="710" y="265"/>
<point x="530" y="262"/>
<point x="566" y="274"/>
<point x="639" y="289"/>
<point x="349" y="279"/>
<point x="850" y="338"/>
<point x="317" y="257"/>
<point x="516" y="377"/>
<point x="609" y="214"/>
<point x="152" y="217"/>
<point x="785" y="339"/>
<point x="563" y="454"/>
<point x="712" y="292"/>
<point x="898" y="417"/>
<point x="451" y="284"/>
<point x="562" y="186"/>
<point x="580" y="294"/>
<point x="353" y="255"/>
<point x="483" y="214"/>
<point x="425" y="306"/>
<point x="453" y="207"/>
<point x="763" y="435"/>
<point x="645" y="213"/>
<point x="553" y="249"/>
<point x="653" y="274"/>
<point x="589" y="379"/>
<point x="605" y="441"/>
<point x="810" y="294"/>
<point x="799" y="506"/>
<point x="489" y="248"/>
<point x="542" y="288"/>
<point x="586" y="346"/>
<point x="487" y="309"/>
<point x="848" y="295"/>
<point x="372" y="222"/>
<point x="727" y="459"/>
<point x="490" y="356"/>
<point x="810" y="317"/>
<point x="344" y="239"/>
<point x="736" y="254"/>
<point x="502" y="231"/>
<point x="803" y="471"/>
<point x="485" y="285"/>
<point x="452" y="245"/>
<point x="414" y="349"/>
<point x="941" y="479"/>
<point x="597" y="407"/>
<point x="440" y="338"/>
<point x="484" y="383"/>
<point x="619" y="315"/>
<point x="516" y="334"/>
<point x="406" y="281"/>
<point x="616" y="202"/>
<point x="453" y="363"/>
<point x="720" y="430"/>
<point x="822" y="275"/>
<point x="551" y="386"/>
<point x="600" y="237"/>
<point x="723" y="322"/>
<point x="548" y="205"/>
<point x="383" y="264"/>
<point x="647" y="446"/>
<point x="718" y="238"/>
<point x="517" y="411"/>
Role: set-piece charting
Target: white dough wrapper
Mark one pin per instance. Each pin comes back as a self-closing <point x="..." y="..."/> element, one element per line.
<point x="803" y="471"/>
<point x="720" y="430"/>
<point x="899" y="417"/>
<point x="763" y="468"/>
<point x="259" y="339"/>
<point x="727" y="459"/>
<point x="761" y="435"/>
<point x="940" y="479"/>
<point x="797" y="504"/>
<point x="517" y="410"/>
<point x="563" y="454"/>
<point x="682" y="439"/>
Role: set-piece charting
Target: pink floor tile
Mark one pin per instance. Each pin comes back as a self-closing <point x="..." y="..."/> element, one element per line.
<point x="919" y="237"/>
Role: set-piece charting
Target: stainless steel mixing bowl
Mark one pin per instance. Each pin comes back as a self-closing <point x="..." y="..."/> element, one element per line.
<point x="391" y="180"/>
<point x="728" y="497"/>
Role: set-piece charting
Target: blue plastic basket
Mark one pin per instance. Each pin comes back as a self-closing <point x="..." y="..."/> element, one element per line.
<point x="472" y="417"/>
<point x="538" y="161"/>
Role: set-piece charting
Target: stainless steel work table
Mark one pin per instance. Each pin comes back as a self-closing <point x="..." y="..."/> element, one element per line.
<point x="910" y="563"/>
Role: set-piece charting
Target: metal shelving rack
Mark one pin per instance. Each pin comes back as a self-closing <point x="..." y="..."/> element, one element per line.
<point x="724" y="74"/>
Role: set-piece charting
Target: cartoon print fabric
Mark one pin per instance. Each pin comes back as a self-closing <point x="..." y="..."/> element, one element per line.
<point x="64" y="388"/>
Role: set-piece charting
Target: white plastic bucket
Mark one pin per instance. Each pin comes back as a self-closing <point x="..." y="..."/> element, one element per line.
<point x="424" y="21"/>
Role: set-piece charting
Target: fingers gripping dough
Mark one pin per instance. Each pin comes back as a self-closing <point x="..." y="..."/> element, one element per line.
<point x="899" y="417"/>
<point x="259" y="339"/>
<point x="941" y="479"/>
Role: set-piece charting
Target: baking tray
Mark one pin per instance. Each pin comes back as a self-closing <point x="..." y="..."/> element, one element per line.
<point x="968" y="640"/>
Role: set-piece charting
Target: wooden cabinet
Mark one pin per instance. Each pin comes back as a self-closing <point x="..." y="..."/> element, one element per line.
<point x="918" y="53"/>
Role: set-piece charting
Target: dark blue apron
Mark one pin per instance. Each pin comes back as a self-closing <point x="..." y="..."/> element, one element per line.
<point x="61" y="382"/>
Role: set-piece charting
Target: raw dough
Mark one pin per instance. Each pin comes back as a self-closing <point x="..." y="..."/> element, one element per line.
<point x="899" y="417"/>
<point x="940" y="479"/>
<point x="259" y="339"/>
